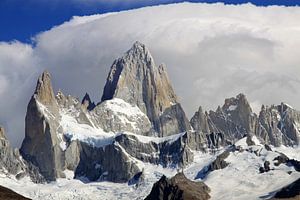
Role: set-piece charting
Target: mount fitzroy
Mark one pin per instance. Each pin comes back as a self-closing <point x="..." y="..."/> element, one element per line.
<point x="139" y="119"/>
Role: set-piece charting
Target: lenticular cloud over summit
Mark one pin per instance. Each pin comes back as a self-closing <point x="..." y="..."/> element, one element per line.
<point x="209" y="55"/>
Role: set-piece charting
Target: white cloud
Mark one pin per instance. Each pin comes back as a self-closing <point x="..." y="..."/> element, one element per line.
<point x="18" y="70"/>
<point x="212" y="51"/>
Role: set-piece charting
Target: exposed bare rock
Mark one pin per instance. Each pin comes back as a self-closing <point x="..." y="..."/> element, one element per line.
<point x="136" y="79"/>
<point x="179" y="188"/>
<point x="10" y="160"/>
<point x="7" y="194"/>
<point x="2" y="133"/>
<point x="12" y="163"/>
<point x="87" y="102"/>
<point x="218" y="163"/>
<point x="44" y="91"/>
<point x="227" y="124"/>
<point x="275" y="125"/>
<point x="41" y="143"/>
<point x="105" y="164"/>
<point x="292" y="191"/>
<point x="199" y="121"/>
<point x="279" y="125"/>
<point x="249" y="140"/>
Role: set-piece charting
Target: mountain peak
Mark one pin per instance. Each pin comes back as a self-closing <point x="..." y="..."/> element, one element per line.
<point x="138" y="45"/>
<point x="87" y="102"/>
<point x="2" y="133"/>
<point x="44" y="91"/>
<point x="137" y="80"/>
<point x="139" y="53"/>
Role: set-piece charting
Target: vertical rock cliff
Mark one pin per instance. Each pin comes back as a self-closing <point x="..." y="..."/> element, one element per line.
<point x="41" y="143"/>
<point x="136" y="79"/>
<point x="276" y="125"/>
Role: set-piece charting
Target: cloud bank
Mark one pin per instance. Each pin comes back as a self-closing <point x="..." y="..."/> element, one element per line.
<point x="212" y="51"/>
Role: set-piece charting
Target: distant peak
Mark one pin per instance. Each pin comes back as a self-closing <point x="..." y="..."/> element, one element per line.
<point x="241" y="96"/>
<point x="86" y="97"/>
<point x="200" y="110"/>
<point x="44" y="91"/>
<point x="138" y="47"/>
<point x="87" y="102"/>
<point x="139" y="51"/>
<point x="138" y="44"/>
<point x="240" y="101"/>
<point x="2" y="133"/>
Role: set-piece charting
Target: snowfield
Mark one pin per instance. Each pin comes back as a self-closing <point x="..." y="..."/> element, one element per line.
<point x="240" y="180"/>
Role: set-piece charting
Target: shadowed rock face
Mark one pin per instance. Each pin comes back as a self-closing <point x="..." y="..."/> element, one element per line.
<point x="179" y="188"/>
<point x="292" y="191"/>
<point x="2" y="133"/>
<point x="275" y="125"/>
<point x="280" y="125"/>
<point x="41" y="143"/>
<point x="46" y="146"/>
<point x="7" y="194"/>
<point x="227" y="124"/>
<point x="12" y="163"/>
<point x="87" y="102"/>
<point x="10" y="158"/>
<point x="218" y="163"/>
<point x="136" y="79"/>
<point x="105" y="164"/>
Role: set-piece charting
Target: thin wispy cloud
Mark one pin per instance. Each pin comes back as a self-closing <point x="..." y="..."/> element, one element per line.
<point x="212" y="51"/>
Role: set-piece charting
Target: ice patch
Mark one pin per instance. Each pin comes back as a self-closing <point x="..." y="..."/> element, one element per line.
<point x="232" y="107"/>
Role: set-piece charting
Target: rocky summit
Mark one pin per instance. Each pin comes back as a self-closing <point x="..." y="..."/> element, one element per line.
<point x="136" y="79"/>
<point x="178" y="187"/>
<point x="276" y="125"/>
<point x="138" y="134"/>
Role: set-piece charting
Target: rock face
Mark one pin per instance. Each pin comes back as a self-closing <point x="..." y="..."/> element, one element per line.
<point x="41" y="143"/>
<point x="104" y="141"/>
<point x="12" y="163"/>
<point x="87" y="102"/>
<point x="279" y="125"/>
<point x="227" y="124"/>
<point x="9" y="158"/>
<point x="7" y="194"/>
<point x="169" y="152"/>
<point x="274" y="125"/>
<point x="136" y="79"/>
<point x="139" y="120"/>
<point x="218" y="163"/>
<point x="179" y="187"/>
<point x="292" y="191"/>
<point x="105" y="164"/>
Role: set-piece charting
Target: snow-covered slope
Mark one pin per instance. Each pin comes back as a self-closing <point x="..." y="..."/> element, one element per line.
<point x="78" y="146"/>
<point x="239" y="180"/>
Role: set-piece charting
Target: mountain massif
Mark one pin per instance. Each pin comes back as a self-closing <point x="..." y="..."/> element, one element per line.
<point x="139" y="121"/>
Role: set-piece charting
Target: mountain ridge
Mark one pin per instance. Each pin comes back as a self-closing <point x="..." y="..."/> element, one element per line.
<point x="139" y="122"/>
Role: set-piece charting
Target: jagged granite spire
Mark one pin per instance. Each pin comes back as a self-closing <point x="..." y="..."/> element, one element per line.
<point x="2" y="133"/>
<point x="87" y="102"/>
<point x="279" y="125"/>
<point x="41" y="144"/>
<point x="136" y="79"/>
<point x="11" y="161"/>
<point x="199" y="121"/>
<point x="44" y="91"/>
<point x="276" y="125"/>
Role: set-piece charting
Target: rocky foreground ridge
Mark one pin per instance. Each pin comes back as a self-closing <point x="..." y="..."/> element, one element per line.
<point x="178" y="187"/>
<point x="139" y="120"/>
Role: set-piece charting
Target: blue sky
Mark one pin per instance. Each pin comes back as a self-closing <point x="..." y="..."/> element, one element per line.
<point x="21" y="20"/>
